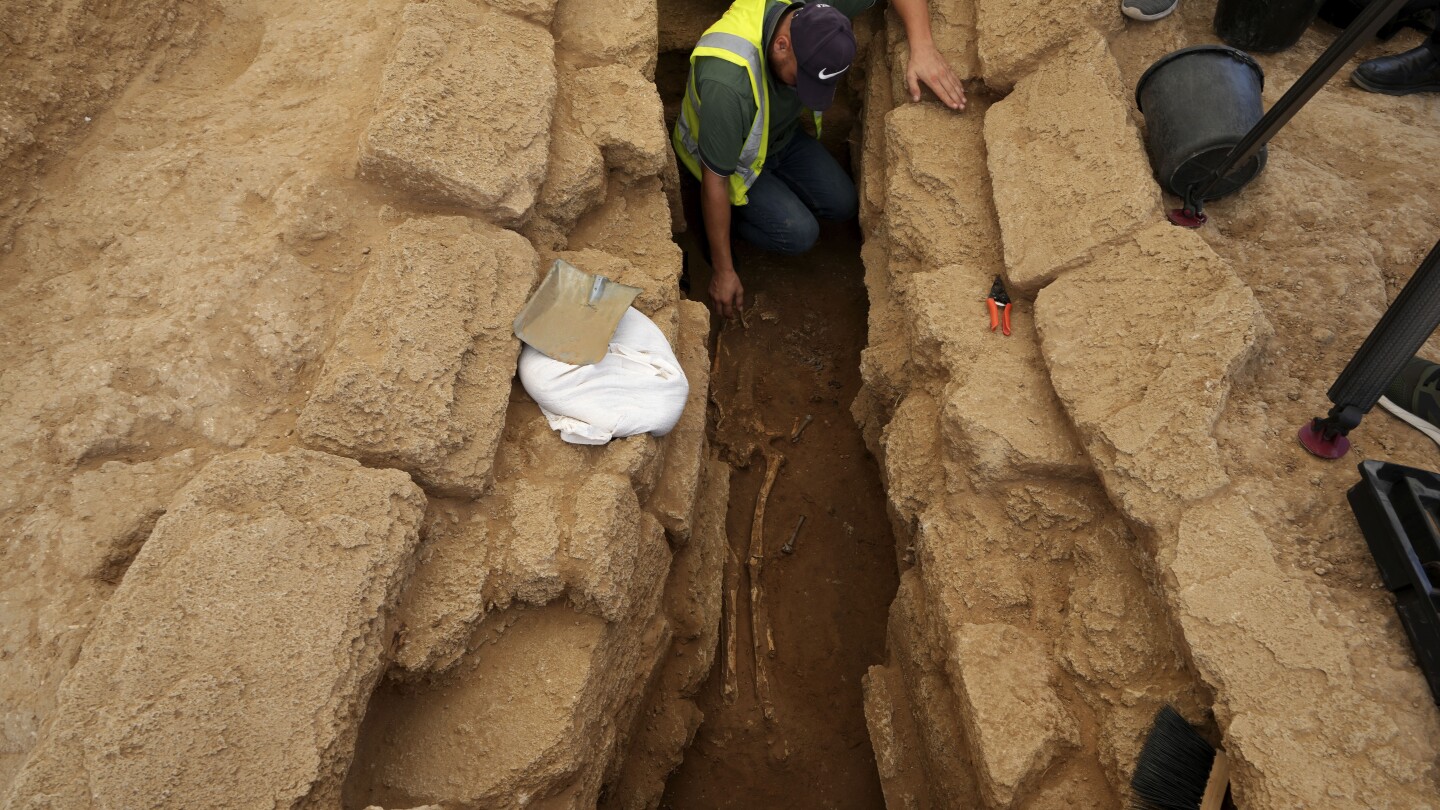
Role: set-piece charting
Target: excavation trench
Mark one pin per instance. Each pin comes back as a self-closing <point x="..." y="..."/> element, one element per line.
<point x="782" y="384"/>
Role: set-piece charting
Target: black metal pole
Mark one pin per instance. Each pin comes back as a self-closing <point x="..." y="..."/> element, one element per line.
<point x="1356" y="34"/>
<point x="1402" y="330"/>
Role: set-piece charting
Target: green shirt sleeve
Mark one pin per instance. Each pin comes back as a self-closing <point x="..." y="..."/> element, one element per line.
<point x="727" y="110"/>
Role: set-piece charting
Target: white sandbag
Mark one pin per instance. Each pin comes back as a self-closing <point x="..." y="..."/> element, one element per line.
<point x="638" y="388"/>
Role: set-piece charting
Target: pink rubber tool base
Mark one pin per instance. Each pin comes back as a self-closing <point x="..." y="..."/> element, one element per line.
<point x="1185" y="219"/>
<point x="1318" y="445"/>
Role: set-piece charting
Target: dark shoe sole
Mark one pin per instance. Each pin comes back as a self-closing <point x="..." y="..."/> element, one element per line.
<point x="1360" y="82"/>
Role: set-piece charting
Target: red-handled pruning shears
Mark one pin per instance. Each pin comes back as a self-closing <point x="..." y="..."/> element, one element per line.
<point x="998" y="303"/>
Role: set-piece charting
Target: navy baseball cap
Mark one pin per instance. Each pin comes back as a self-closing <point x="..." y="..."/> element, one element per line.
<point x="824" y="48"/>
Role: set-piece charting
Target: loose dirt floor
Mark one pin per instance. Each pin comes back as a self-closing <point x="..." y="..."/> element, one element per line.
<point x="795" y="357"/>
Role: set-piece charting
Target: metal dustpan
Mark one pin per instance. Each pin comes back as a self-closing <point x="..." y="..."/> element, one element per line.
<point x="573" y="314"/>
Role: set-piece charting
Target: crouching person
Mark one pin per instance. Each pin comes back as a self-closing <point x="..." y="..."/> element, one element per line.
<point x="752" y="75"/>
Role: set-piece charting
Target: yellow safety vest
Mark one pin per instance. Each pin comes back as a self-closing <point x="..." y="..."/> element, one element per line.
<point x="737" y="38"/>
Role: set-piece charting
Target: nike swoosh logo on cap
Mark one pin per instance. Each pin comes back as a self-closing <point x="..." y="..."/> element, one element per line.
<point x="824" y="75"/>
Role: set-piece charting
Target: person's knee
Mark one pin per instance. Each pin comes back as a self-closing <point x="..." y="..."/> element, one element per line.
<point x="800" y="233"/>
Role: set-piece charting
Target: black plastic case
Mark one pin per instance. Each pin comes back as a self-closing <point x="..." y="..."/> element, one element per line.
<point x="1398" y="508"/>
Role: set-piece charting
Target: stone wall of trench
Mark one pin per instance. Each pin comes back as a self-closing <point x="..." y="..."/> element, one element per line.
<point x="1076" y="550"/>
<point x="281" y="528"/>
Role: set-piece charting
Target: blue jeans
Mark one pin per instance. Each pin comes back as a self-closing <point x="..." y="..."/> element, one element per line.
<point x="797" y="185"/>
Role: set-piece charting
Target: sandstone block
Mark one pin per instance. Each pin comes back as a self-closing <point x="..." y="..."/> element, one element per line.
<point x="114" y="509"/>
<point x="574" y="179"/>
<point x="465" y="566"/>
<point x="463" y="115"/>
<point x="925" y="701"/>
<point x="692" y="594"/>
<point x="1266" y="649"/>
<point x="937" y="201"/>
<point x="445" y="598"/>
<point x="880" y="721"/>
<point x="533" y="540"/>
<point x="911" y="461"/>
<point x="237" y="655"/>
<point x="1004" y="421"/>
<point x="883" y="362"/>
<point x="1014" y="37"/>
<point x="870" y="179"/>
<point x="633" y="224"/>
<point x="1069" y="170"/>
<point x="619" y="110"/>
<point x="607" y="118"/>
<point x="1142" y="343"/>
<point x="1119" y="642"/>
<point x="529" y="450"/>
<point x="540" y="11"/>
<point x="670" y="180"/>
<point x="668" y="726"/>
<point x="1014" y="720"/>
<point x="669" y="719"/>
<point x="533" y="716"/>
<point x="590" y="34"/>
<point x="421" y="371"/>
<point x="675" y="494"/>
<point x="936" y="300"/>
<point x="612" y="550"/>
<point x="967" y="560"/>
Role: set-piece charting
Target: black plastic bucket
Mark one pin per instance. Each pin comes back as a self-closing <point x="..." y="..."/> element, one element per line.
<point x="1264" y="25"/>
<point x="1198" y="103"/>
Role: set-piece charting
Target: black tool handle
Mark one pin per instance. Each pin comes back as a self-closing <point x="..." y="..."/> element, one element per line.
<point x="1402" y="330"/>
<point x="1359" y="32"/>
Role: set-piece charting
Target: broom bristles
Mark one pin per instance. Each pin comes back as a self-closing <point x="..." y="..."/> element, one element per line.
<point x="1173" y="767"/>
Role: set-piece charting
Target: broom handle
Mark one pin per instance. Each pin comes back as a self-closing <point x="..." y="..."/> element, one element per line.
<point x="1357" y="33"/>
<point x="1219" y="783"/>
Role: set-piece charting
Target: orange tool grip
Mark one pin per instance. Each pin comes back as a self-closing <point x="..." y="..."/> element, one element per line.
<point x="1006" y="328"/>
<point x="994" y="314"/>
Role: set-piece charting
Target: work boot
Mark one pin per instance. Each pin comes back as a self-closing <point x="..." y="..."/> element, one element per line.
<point x="1414" y="396"/>
<point x="1147" y="10"/>
<point x="1414" y="71"/>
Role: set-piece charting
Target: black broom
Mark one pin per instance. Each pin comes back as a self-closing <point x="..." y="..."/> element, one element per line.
<point x="1178" y="769"/>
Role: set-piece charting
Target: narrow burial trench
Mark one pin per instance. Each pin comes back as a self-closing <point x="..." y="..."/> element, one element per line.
<point x="793" y="361"/>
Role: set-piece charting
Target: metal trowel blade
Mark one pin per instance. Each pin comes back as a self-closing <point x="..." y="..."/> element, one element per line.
<point x="573" y="314"/>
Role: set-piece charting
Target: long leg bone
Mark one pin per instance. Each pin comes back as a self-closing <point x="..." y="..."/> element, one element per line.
<point x="732" y="594"/>
<point x="759" y="617"/>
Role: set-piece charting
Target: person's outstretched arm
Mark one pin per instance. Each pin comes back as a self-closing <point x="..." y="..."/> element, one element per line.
<point x="725" y="288"/>
<point x="926" y="63"/>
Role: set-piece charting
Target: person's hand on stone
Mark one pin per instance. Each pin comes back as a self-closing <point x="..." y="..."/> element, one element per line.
<point x="928" y="66"/>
